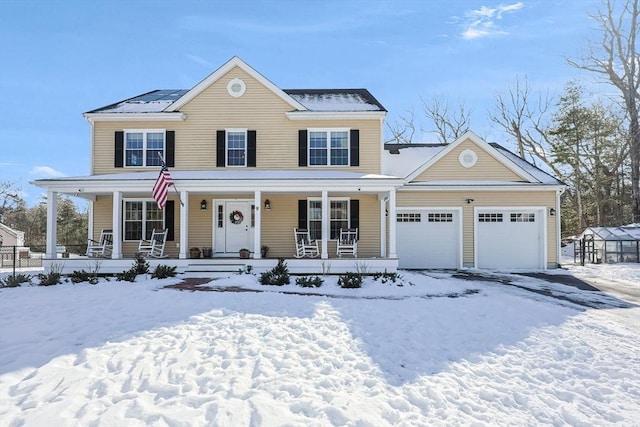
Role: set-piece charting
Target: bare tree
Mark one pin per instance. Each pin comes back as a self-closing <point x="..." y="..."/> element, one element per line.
<point x="9" y="197"/>
<point x="403" y="129"/>
<point x="616" y="59"/>
<point x="449" y="124"/>
<point x="525" y="116"/>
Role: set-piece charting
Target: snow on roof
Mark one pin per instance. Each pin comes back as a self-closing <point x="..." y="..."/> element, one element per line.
<point x="314" y="99"/>
<point x="614" y="233"/>
<point x="402" y="159"/>
<point x="335" y="99"/>
<point x="151" y="102"/>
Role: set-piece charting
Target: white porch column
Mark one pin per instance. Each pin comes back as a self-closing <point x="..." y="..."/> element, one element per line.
<point x="392" y="224"/>
<point x="383" y="227"/>
<point x="116" y="225"/>
<point x="52" y="223"/>
<point x="184" y="225"/>
<point x="257" y="200"/>
<point x="325" y="224"/>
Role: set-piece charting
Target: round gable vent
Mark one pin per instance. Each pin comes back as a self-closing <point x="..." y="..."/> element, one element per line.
<point x="236" y="88"/>
<point x="468" y="158"/>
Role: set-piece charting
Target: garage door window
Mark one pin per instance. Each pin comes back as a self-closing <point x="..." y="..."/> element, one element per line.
<point x="490" y="217"/>
<point x="409" y="217"/>
<point x="523" y="217"/>
<point x="440" y="217"/>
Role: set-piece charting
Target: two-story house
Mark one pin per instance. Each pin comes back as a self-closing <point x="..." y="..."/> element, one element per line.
<point x="251" y="162"/>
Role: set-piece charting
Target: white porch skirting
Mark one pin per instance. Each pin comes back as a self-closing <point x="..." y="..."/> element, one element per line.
<point x="232" y="265"/>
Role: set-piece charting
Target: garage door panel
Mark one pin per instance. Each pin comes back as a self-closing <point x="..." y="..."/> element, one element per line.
<point x="428" y="239"/>
<point x="509" y="239"/>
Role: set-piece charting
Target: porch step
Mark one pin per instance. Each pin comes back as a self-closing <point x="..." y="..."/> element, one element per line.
<point x="211" y="267"/>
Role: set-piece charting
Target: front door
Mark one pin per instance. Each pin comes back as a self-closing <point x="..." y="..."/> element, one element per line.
<point x="238" y="227"/>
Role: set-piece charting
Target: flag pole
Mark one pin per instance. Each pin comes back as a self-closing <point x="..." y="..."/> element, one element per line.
<point x="174" y="183"/>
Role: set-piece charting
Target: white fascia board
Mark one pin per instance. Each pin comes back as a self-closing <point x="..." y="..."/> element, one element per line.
<point x="220" y="72"/>
<point x="199" y="185"/>
<point x="508" y="187"/>
<point x="335" y="115"/>
<point x="482" y="144"/>
<point x="131" y="117"/>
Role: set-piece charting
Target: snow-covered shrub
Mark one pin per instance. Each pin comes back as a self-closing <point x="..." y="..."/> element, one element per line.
<point x="350" y="280"/>
<point x="309" y="282"/>
<point x="278" y="275"/>
<point x="14" y="281"/>
<point x="163" y="271"/>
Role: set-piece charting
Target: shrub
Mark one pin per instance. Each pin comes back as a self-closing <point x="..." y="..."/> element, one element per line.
<point x="309" y="282"/>
<point x="84" y="276"/>
<point x="278" y="275"/>
<point x="127" y="275"/>
<point x="387" y="277"/>
<point x="350" y="280"/>
<point x="163" y="271"/>
<point x="51" y="278"/>
<point x="14" y="281"/>
<point x="140" y="263"/>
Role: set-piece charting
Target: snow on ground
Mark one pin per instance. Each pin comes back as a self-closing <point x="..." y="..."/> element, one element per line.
<point x="436" y="351"/>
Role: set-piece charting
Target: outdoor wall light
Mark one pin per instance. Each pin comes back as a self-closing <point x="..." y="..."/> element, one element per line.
<point x="203" y="205"/>
<point x="468" y="201"/>
<point x="552" y="212"/>
<point x="267" y="204"/>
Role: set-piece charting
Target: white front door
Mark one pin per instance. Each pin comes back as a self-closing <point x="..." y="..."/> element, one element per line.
<point x="237" y="230"/>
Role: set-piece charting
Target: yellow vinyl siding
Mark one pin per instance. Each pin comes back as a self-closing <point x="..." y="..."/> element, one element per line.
<point x="484" y="199"/>
<point x="487" y="168"/>
<point x="258" y="109"/>
<point x="102" y="219"/>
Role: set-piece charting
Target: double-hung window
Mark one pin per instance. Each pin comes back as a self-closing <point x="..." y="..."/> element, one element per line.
<point x="140" y="218"/>
<point x="328" y="147"/>
<point x="144" y="147"/>
<point x="236" y="147"/>
<point x="338" y="217"/>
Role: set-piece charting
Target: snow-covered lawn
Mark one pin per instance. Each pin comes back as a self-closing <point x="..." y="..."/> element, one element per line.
<point x="436" y="351"/>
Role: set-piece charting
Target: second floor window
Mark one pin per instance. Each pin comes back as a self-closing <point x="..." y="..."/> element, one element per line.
<point x="328" y="147"/>
<point x="143" y="148"/>
<point x="236" y="148"/>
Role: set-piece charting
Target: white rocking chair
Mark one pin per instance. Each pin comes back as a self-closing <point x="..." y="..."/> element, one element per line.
<point x="305" y="247"/>
<point x="348" y="242"/>
<point x="154" y="247"/>
<point x="103" y="247"/>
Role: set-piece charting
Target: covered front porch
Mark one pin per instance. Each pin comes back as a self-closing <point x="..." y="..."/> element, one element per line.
<point x="222" y="212"/>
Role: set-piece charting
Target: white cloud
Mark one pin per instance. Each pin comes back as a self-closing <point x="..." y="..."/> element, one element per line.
<point x="482" y="22"/>
<point x="45" y="172"/>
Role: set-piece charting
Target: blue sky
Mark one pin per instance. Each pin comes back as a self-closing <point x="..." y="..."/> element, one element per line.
<point x="62" y="58"/>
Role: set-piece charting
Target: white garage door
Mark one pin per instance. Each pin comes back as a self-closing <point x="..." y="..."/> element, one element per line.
<point x="507" y="238"/>
<point x="428" y="239"/>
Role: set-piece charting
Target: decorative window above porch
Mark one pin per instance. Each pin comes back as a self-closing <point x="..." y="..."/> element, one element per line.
<point x="236" y="148"/>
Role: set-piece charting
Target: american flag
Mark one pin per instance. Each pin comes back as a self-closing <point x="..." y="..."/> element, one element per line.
<point x="161" y="187"/>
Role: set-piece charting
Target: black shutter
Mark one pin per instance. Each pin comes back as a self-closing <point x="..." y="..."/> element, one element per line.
<point x="170" y="153"/>
<point x="355" y="147"/>
<point x="251" y="148"/>
<point x="220" y="148"/>
<point x="302" y="147"/>
<point x="354" y="215"/>
<point x="169" y="219"/>
<point x="302" y="214"/>
<point x="119" y="149"/>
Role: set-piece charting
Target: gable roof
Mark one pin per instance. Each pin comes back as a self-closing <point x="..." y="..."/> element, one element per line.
<point x="482" y="144"/>
<point x="224" y="69"/>
<point x="309" y="100"/>
<point x="411" y="160"/>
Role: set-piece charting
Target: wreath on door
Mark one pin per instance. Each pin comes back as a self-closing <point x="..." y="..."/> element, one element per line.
<point x="236" y="217"/>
